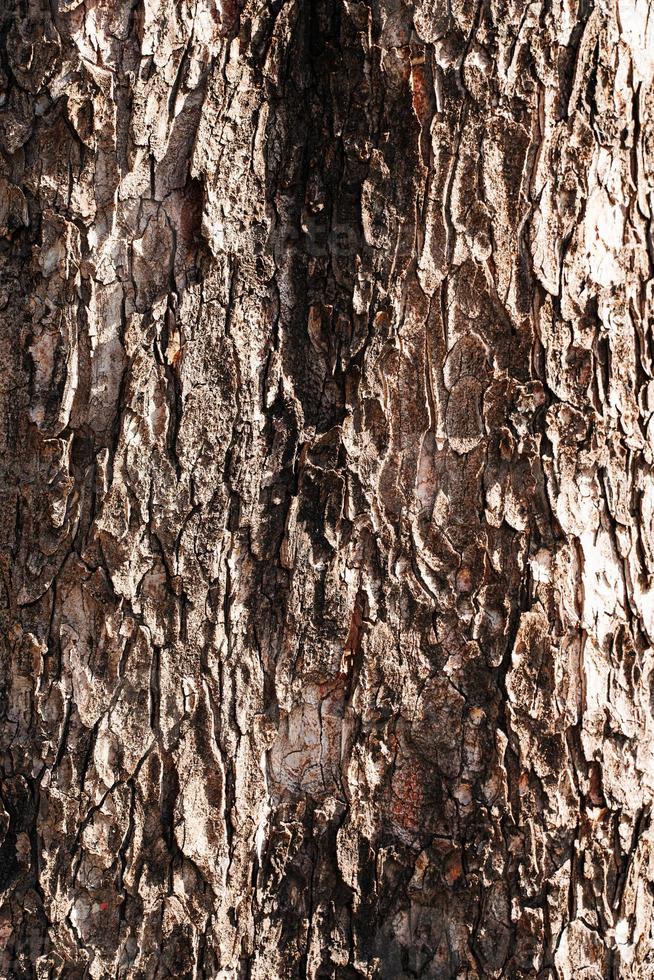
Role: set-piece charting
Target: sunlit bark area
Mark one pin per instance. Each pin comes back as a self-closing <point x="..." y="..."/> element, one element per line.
<point x="327" y="511"/>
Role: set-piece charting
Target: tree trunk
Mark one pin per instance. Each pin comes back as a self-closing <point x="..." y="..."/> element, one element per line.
<point x="328" y="503"/>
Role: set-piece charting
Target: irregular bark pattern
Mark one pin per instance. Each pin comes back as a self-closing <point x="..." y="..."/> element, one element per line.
<point x="328" y="511"/>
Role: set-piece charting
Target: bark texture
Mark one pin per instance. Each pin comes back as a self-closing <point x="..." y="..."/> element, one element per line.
<point x="327" y="508"/>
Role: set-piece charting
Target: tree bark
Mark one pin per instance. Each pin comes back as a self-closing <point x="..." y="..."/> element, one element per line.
<point x="328" y="502"/>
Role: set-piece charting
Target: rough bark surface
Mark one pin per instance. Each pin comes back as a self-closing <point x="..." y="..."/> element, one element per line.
<point x="327" y="506"/>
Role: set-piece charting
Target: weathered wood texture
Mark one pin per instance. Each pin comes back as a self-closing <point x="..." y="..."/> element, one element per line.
<point x="328" y="503"/>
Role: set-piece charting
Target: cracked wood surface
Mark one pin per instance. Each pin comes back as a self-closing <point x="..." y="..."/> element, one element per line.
<point x="327" y="504"/>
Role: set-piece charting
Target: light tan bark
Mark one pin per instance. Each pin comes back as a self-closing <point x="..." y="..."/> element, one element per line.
<point x="328" y="505"/>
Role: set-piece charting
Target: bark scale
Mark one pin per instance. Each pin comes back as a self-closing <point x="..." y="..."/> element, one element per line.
<point x="327" y="521"/>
